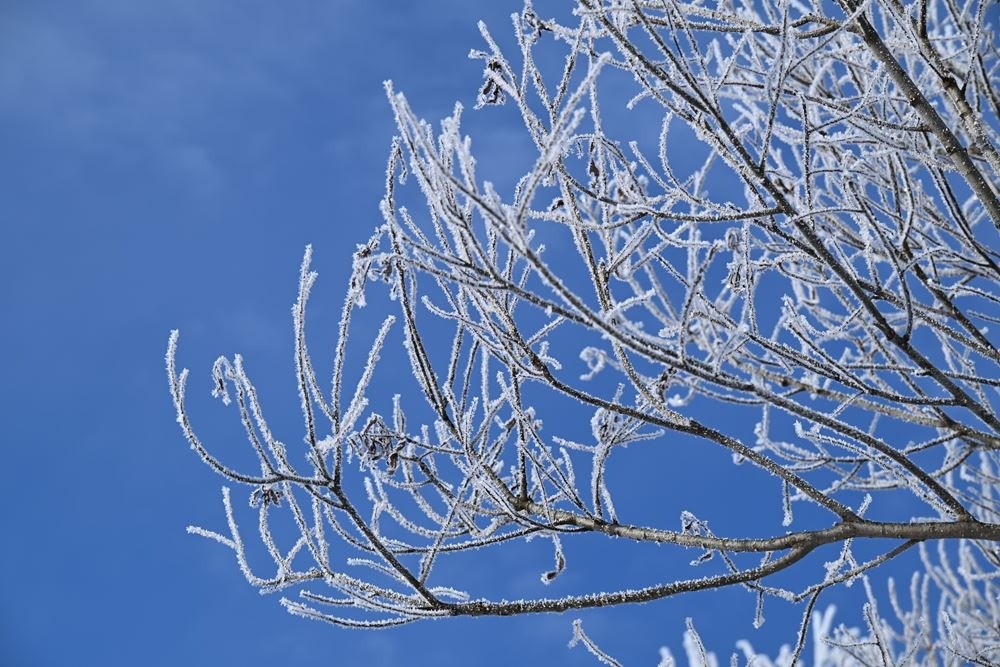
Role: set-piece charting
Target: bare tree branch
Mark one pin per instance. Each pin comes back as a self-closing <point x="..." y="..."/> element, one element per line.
<point x="818" y="266"/>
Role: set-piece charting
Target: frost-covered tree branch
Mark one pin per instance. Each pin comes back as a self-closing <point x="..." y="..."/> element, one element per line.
<point x="806" y="239"/>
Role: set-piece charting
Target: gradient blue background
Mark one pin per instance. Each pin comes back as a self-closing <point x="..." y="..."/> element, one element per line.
<point x="163" y="166"/>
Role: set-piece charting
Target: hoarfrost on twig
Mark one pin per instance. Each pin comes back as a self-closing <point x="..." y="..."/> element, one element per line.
<point x="812" y="287"/>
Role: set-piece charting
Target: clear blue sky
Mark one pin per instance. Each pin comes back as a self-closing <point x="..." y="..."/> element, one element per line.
<point x="163" y="166"/>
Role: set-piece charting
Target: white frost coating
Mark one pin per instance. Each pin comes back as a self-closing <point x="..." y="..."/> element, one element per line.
<point x="697" y="656"/>
<point x="813" y="283"/>
<point x="580" y="637"/>
<point x="666" y="658"/>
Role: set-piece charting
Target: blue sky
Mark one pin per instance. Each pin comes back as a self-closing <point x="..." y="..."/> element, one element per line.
<point x="164" y="165"/>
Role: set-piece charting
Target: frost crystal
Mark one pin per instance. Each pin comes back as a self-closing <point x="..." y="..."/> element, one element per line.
<point x="789" y="255"/>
